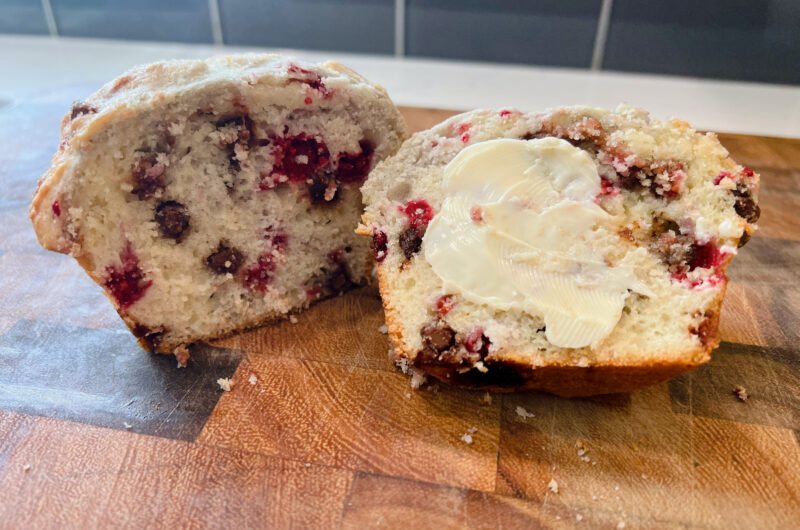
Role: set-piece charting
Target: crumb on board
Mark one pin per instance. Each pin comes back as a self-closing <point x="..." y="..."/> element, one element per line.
<point x="741" y="392"/>
<point x="553" y="485"/>
<point x="181" y="355"/>
<point x="126" y="425"/>
<point x="522" y="413"/>
<point x="253" y="379"/>
<point x="417" y="378"/>
<point x="383" y="329"/>
<point x="578" y="517"/>
<point x="620" y="525"/>
<point x="485" y="399"/>
<point x="26" y="468"/>
<point x="293" y="319"/>
<point x="225" y="383"/>
<point x="472" y="430"/>
<point x="466" y="438"/>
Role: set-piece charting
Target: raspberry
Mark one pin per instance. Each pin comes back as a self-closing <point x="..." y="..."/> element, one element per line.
<point x="354" y="167"/>
<point x="298" y="157"/>
<point x="722" y="175"/>
<point x="277" y="239"/>
<point x="476" y="213"/>
<point x="706" y="256"/>
<point x="379" y="245"/>
<point x="419" y="213"/>
<point x="336" y="255"/>
<point x="126" y="281"/>
<point x="747" y="172"/>
<point x="465" y="137"/>
<point x="307" y="77"/>
<point x="56" y="208"/>
<point x="608" y="189"/>
<point x="444" y="304"/>
<point x="504" y="113"/>
<point x="259" y="276"/>
<point x="308" y="101"/>
<point x="477" y="342"/>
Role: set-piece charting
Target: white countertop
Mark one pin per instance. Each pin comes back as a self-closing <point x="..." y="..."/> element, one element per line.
<point x="35" y="65"/>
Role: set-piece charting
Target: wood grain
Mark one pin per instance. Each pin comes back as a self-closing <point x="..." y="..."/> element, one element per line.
<point x="331" y="435"/>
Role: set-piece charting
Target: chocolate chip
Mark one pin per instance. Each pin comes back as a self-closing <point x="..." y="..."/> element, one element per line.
<point x="438" y="337"/>
<point x="411" y="242"/>
<point x="744" y="239"/>
<point x="323" y="188"/>
<point x="674" y="248"/>
<point x="245" y="138"/>
<point x="150" y="338"/>
<point x="339" y="280"/>
<point x="747" y="208"/>
<point x="148" y="177"/>
<point x="79" y="108"/>
<point x="172" y="219"/>
<point x="225" y="259"/>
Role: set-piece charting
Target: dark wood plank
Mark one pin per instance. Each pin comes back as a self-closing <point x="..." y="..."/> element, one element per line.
<point x="63" y="475"/>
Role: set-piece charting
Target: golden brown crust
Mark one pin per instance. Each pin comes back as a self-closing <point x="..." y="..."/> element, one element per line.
<point x="509" y="374"/>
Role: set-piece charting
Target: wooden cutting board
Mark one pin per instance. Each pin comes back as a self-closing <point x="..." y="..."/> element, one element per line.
<point x="320" y="430"/>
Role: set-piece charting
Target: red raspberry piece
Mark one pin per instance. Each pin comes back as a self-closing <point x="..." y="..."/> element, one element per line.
<point x="298" y="157"/>
<point x="379" y="245"/>
<point x="476" y="213"/>
<point x="336" y="255"/>
<point x="56" y="208"/>
<point x="419" y="213"/>
<point x="476" y="341"/>
<point x="608" y="189"/>
<point x="747" y="172"/>
<point x="308" y="101"/>
<point x="706" y="256"/>
<point x="504" y="113"/>
<point x="126" y="281"/>
<point x="301" y="75"/>
<point x="277" y="239"/>
<point x="259" y="276"/>
<point x="444" y="304"/>
<point x="354" y="167"/>
<point x="465" y="137"/>
<point x="722" y="175"/>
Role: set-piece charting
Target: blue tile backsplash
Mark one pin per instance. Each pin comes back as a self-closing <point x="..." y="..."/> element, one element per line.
<point x="730" y="39"/>
<point x="549" y="32"/>
<point x="365" y="26"/>
<point x="158" y="20"/>
<point x="726" y="39"/>
<point x="22" y="16"/>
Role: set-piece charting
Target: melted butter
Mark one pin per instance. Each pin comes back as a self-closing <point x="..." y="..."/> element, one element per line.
<point x="537" y="245"/>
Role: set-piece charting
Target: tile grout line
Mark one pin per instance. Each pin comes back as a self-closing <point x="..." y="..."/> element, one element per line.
<point x="50" y="18"/>
<point x="216" y="22"/>
<point x="599" y="50"/>
<point x="399" y="28"/>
